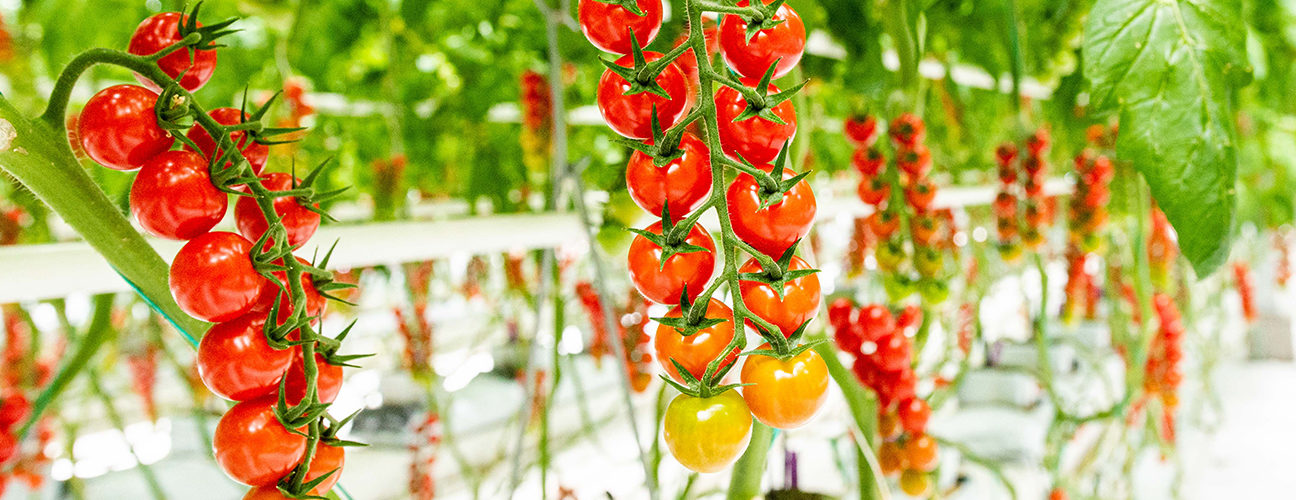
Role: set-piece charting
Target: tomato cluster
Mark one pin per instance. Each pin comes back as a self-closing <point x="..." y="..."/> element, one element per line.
<point x="646" y="99"/>
<point x="423" y="452"/>
<point x="537" y="118"/>
<point x="1162" y="373"/>
<point x="882" y="346"/>
<point x="143" y="369"/>
<point x="1162" y="248"/>
<point x="634" y="340"/>
<point x="1246" y="289"/>
<point x="902" y="194"/>
<point x="1087" y="212"/>
<point x="21" y="372"/>
<point x="1283" y="270"/>
<point x="1022" y="209"/>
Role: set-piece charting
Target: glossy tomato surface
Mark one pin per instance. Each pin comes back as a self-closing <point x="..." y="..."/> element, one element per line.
<point x="631" y="115"/>
<point x="160" y="31"/>
<point x="773" y="229"/>
<point x="252" y="447"/>
<point x="118" y="127"/>
<point x="755" y="139"/>
<point x="683" y="184"/>
<point x="706" y="435"/>
<point x="783" y="44"/>
<point x="695" y="351"/>
<point x="299" y="221"/>
<point x="664" y="283"/>
<point x="212" y="277"/>
<point x="255" y="153"/>
<point x="236" y="362"/>
<point x="800" y="301"/>
<point x="785" y="394"/>
<point x="173" y="196"/>
<point x="328" y="381"/>
<point x="608" y="26"/>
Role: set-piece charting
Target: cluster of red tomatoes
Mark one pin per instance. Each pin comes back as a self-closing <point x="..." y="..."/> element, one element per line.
<point x="537" y="115"/>
<point x="14" y="410"/>
<point x="633" y="338"/>
<point x="1088" y="214"/>
<point x="673" y="262"/>
<point x="1246" y="289"/>
<point x="423" y="452"/>
<point x="20" y="373"/>
<point x="214" y="277"/>
<point x="1162" y="374"/>
<point x="910" y="171"/>
<point x="143" y="369"/>
<point x="1162" y="247"/>
<point x="1027" y="191"/>
<point x="883" y="348"/>
<point x="416" y="331"/>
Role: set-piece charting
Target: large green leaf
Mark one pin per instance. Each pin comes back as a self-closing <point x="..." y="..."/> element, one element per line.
<point x="1170" y="69"/>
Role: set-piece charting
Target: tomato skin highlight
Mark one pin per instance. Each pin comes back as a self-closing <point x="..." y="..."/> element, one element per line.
<point x="300" y="222"/>
<point x="329" y="381"/>
<point x="755" y="139"/>
<point x="785" y="394"/>
<point x="707" y="435"/>
<point x="608" y="26"/>
<point x="631" y="115"/>
<point x="695" y="351"/>
<point x="236" y="362"/>
<point x="254" y="152"/>
<point x="118" y="127"/>
<point x="212" y="278"/>
<point x="784" y="43"/>
<point x="664" y="284"/>
<point x="773" y="229"/>
<point x="683" y="184"/>
<point x="160" y="31"/>
<point x="252" y="447"/>
<point x="173" y="196"/>
<point x="800" y="302"/>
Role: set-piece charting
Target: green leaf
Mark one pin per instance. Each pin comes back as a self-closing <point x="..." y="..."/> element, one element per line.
<point x="1169" y="68"/>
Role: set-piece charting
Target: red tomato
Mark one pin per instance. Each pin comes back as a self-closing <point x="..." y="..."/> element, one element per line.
<point x="921" y="450"/>
<point x="921" y="195"/>
<point x="868" y="162"/>
<point x="8" y="447"/>
<point x="664" y="284"/>
<point x="608" y="26"/>
<point x="800" y="300"/>
<point x="862" y="131"/>
<point x="254" y="152"/>
<point x="877" y="321"/>
<point x="883" y="223"/>
<point x="894" y="386"/>
<point x="327" y="459"/>
<point x="874" y="191"/>
<point x="893" y="352"/>
<point x="160" y="31"/>
<point x="212" y="277"/>
<point x="631" y="115"/>
<point x="118" y="127"/>
<point x="252" y="447"/>
<point x="907" y="130"/>
<point x="773" y="229"/>
<point x="695" y="351"/>
<point x="756" y="139"/>
<point x="784" y="43"/>
<point x="785" y="394"/>
<point x="684" y="183"/>
<point x="300" y="222"/>
<point x="841" y="312"/>
<point x="910" y="317"/>
<point x="315" y="303"/>
<point x="914" y="414"/>
<point x="915" y="161"/>
<point x="1006" y="153"/>
<point x="14" y="410"/>
<point x="173" y="196"/>
<point x="328" y="383"/>
<point x="236" y="363"/>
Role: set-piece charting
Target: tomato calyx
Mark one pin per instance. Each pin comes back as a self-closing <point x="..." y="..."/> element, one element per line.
<point x="631" y="6"/>
<point x="761" y="17"/>
<point x="778" y="276"/>
<point x="692" y="318"/>
<point x="665" y="145"/>
<point x="293" y="486"/>
<point x="207" y="35"/>
<point x="672" y="239"/>
<point x="760" y="103"/>
<point x="700" y="388"/>
<point x="642" y="77"/>
<point x="782" y="348"/>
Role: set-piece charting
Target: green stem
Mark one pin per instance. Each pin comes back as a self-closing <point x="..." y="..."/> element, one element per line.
<point x="863" y="409"/>
<point x="115" y="418"/>
<point x="87" y="346"/>
<point x="750" y="468"/>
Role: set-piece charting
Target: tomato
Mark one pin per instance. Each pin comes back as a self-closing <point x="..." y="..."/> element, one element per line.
<point x="254" y="152"/>
<point x="236" y="362"/>
<point x="784" y="43"/>
<point x="862" y="131"/>
<point x="684" y="183"/>
<point x="893" y="352"/>
<point x="160" y="31"/>
<point x="841" y="312"/>
<point x="299" y="221"/>
<point x="914" y="414"/>
<point x="928" y="261"/>
<point x="328" y="382"/>
<point x="889" y="426"/>
<point x="890" y="254"/>
<point x="14" y="410"/>
<point x="9" y="446"/>
<point x="173" y="196"/>
<point x="755" y="139"/>
<point x="664" y="284"/>
<point x="265" y="493"/>
<point x="1006" y="153"/>
<point x="773" y="229"/>
<point x="877" y="321"/>
<point x="1005" y="205"/>
<point x="695" y="351"/>
<point x="895" y="386"/>
<point x="884" y="223"/>
<point x="707" y="434"/>
<point x="327" y="459"/>
<point x="212" y="277"/>
<point x="631" y="115"/>
<point x="907" y="130"/>
<point x="1058" y="493"/>
<point x="890" y="459"/>
<point x="910" y="318"/>
<point x="868" y="162"/>
<point x="921" y="451"/>
<point x="924" y="230"/>
<point x="874" y="191"/>
<point x="915" y="483"/>
<point x="785" y="394"/>
<point x="800" y="302"/>
<point x="252" y="447"/>
<point x="920" y="195"/>
<point x="118" y="127"/>
<point x="915" y="161"/>
<point x="608" y="25"/>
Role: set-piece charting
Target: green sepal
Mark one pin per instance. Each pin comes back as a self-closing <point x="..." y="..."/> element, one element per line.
<point x="631" y="6"/>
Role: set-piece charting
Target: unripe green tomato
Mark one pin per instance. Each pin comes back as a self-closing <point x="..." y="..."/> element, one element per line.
<point x="933" y="291"/>
<point x="897" y="286"/>
<point x="890" y="254"/>
<point x="928" y="261"/>
<point x="707" y="434"/>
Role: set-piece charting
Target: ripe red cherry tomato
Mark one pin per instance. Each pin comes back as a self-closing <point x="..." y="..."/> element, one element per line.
<point x="329" y="381"/>
<point x="707" y="434"/>
<point x="14" y="409"/>
<point x="631" y="115"/>
<point x="695" y="351"/>
<point x="608" y="25"/>
<point x="8" y="447"/>
<point x="252" y="447"/>
<point x="160" y="31"/>
<point x="118" y="127"/>
<point x="773" y="229"/>
<point x="874" y="191"/>
<point x="664" y="284"/>
<point x="914" y="414"/>
<point x="785" y="394"/>
<point x="236" y="363"/>
<point x="683" y="183"/>
<point x="800" y="300"/>
<point x="756" y="139"/>
<point x="255" y="153"/>
<point x="862" y="131"/>
<point x="327" y="459"/>
<point x="300" y="222"/>
<point x="173" y="196"/>
<point x="841" y="312"/>
<point x="893" y="351"/>
<point x="212" y="277"/>
<point x="785" y="43"/>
